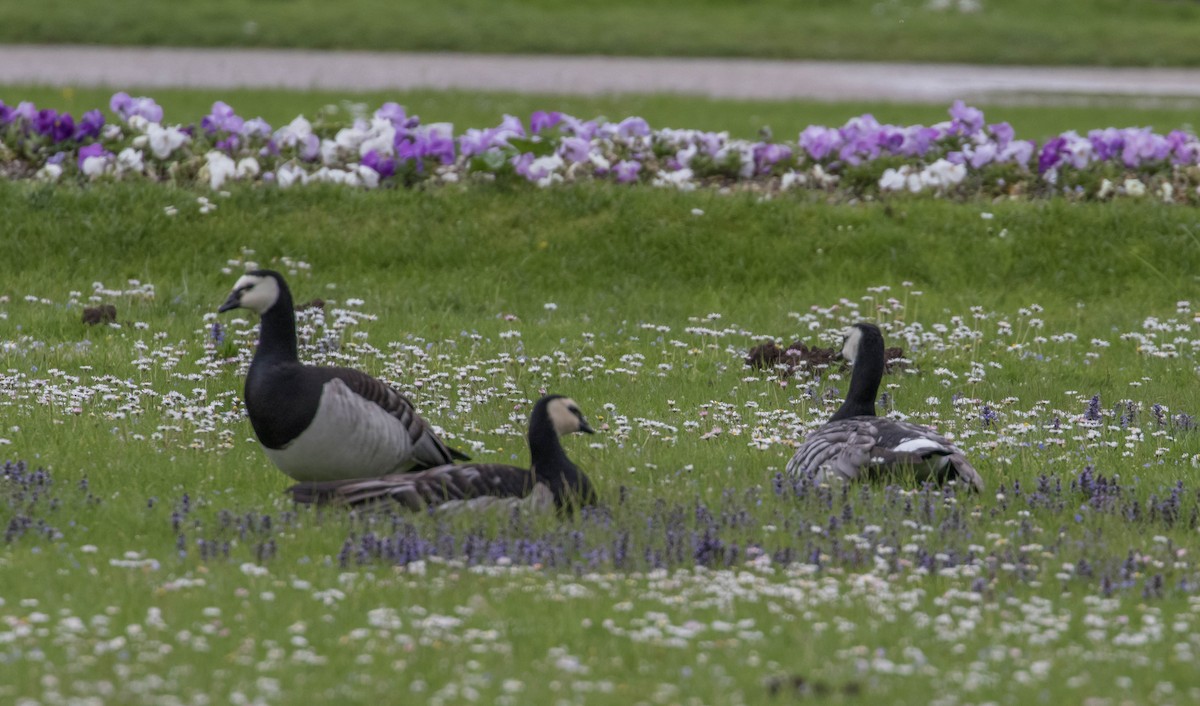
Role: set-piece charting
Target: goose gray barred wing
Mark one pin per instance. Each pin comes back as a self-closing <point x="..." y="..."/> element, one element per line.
<point x="416" y="491"/>
<point x="839" y="449"/>
<point x="429" y="451"/>
<point x="859" y="448"/>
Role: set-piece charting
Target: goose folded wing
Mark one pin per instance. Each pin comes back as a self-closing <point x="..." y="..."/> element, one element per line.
<point x="839" y="449"/>
<point x="416" y="491"/>
<point x="428" y="450"/>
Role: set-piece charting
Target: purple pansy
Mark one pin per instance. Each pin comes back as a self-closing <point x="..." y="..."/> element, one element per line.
<point x="968" y="119"/>
<point x="541" y="120"/>
<point x="393" y="113"/>
<point x="93" y="150"/>
<point x="385" y="166"/>
<point x="633" y="127"/>
<point x="89" y="125"/>
<point x="626" y="171"/>
<point x="54" y="125"/>
<point x="126" y="106"/>
<point x="222" y="118"/>
<point x="819" y="142"/>
<point x="575" y="149"/>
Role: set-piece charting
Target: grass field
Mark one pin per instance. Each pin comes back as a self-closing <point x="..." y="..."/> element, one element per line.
<point x="160" y="563"/>
<point x="741" y="118"/>
<point x="1105" y="32"/>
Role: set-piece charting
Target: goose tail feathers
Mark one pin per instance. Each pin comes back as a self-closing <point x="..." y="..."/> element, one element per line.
<point x="966" y="472"/>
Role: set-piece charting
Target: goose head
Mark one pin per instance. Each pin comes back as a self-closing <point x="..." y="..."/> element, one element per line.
<point x="852" y="344"/>
<point x="257" y="291"/>
<point x="565" y="416"/>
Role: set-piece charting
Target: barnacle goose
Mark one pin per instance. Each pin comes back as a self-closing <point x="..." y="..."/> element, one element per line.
<point x="855" y="444"/>
<point x="553" y="481"/>
<point x="324" y="423"/>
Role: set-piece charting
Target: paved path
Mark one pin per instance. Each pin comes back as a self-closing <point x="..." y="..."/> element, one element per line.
<point x="588" y="75"/>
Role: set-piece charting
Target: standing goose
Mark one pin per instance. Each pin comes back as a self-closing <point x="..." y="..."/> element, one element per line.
<point x="552" y="481"/>
<point x="323" y="423"/>
<point x="855" y="444"/>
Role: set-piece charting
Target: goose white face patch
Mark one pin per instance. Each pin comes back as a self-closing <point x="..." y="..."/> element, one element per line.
<point x="258" y="293"/>
<point x="850" y="346"/>
<point x="565" y="421"/>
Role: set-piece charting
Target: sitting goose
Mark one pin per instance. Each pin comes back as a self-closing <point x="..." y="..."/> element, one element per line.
<point x="323" y="423"/>
<point x="553" y="480"/>
<point x="856" y="444"/>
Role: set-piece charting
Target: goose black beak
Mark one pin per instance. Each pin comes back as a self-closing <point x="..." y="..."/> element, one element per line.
<point x="234" y="301"/>
<point x="585" y="427"/>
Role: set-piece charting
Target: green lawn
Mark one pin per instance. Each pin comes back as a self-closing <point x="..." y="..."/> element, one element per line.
<point x="741" y="118"/>
<point x="177" y="572"/>
<point x="1105" y="32"/>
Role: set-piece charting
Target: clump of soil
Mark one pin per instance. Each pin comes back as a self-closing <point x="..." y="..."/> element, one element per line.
<point x="798" y="355"/>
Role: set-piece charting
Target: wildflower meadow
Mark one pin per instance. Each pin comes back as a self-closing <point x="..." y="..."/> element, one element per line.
<point x="1042" y="293"/>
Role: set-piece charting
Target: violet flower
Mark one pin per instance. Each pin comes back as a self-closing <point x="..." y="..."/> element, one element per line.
<point x="126" y="107"/>
<point x="385" y="166"/>
<point x="222" y="118"/>
<point x="966" y="118"/>
<point x="54" y="125"/>
<point x="541" y="120"/>
<point x="819" y="142"/>
<point x="626" y="171"/>
<point x="89" y="125"/>
<point x="574" y="149"/>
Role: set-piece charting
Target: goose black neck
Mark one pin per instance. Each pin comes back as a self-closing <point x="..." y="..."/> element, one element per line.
<point x="550" y="461"/>
<point x="277" y="333"/>
<point x="864" y="381"/>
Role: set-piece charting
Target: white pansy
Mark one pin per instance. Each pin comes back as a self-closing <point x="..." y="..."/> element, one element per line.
<point x="680" y="179"/>
<point x="293" y="132"/>
<point x="130" y="160"/>
<point x="290" y="173"/>
<point x="247" y="167"/>
<point x="93" y="167"/>
<point x="218" y="167"/>
<point x="1134" y="187"/>
<point x="49" y="172"/>
<point x="165" y="140"/>
<point x="381" y="139"/>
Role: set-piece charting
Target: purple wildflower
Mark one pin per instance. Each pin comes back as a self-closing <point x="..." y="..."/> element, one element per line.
<point x="256" y="127"/>
<point x="6" y="114"/>
<point x="574" y="149"/>
<point x="385" y="166"/>
<point x="541" y="120"/>
<point x="126" y="107"/>
<point x="89" y="125"/>
<point x="392" y="112"/>
<point x="1051" y="155"/>
<point x="311" y="148"/>
<point x="93" y="150"/>
<point x="819" y="142"/>
<point x="25" y="111"/>
<point x="626" y="171"/>
<point x="222" y="118"/>
<point x="54" y="125"/>
<point x="1003" y="132"/>
<point x="585" y="129"/>
<point x="633" y="127"/>
<point x="229" y="144"/>
<point x="767" y="155"/>
<point x="968" y="119"/>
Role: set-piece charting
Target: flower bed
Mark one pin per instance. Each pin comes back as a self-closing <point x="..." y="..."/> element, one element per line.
<point x="959" y="158"/>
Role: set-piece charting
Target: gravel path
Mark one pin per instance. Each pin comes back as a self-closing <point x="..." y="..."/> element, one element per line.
<point x="118" y="67"/>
